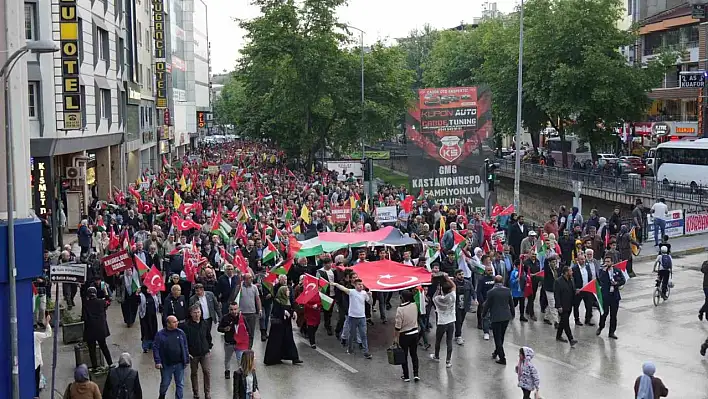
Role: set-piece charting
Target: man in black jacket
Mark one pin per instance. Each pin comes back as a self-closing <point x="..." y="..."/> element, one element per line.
<point x="484" y="285"/>
<point x="227" y="287"/>
<point x="532" y="266"/>
<point x="500" y="306"/>
<point x="564" y="295"/>
<point x="583" y="274"/>
<point x="175" y="305"/>
<point x="227" y="326"/>
<point x="198" y="333"/>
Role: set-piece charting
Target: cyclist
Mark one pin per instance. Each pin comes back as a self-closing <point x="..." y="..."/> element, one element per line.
<point x="665" y="263"/>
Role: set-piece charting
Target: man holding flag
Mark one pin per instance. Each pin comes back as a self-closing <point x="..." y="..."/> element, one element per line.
<point x="610" y="280"/>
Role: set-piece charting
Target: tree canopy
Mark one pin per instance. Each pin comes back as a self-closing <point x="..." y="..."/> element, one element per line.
<point x="298" y="81"/>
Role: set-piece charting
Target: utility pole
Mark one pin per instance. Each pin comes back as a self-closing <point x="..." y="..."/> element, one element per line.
<point x="519" y="89"/>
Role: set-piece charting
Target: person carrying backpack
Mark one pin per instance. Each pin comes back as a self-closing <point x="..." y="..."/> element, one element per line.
<point x="664" y="270"/>
<point x="123" y="381"/>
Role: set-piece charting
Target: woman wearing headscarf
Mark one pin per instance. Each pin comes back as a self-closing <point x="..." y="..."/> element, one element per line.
<point x="647" y="386"/>
<point x="281" y="345"/>
<point x="147" y="310"/>
<point x="123" y="379"/>
<point x="127" y="295"/>
<point x="82" y="388"/>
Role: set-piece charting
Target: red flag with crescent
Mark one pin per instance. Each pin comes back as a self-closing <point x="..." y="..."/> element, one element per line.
<point x="153" y="280"/>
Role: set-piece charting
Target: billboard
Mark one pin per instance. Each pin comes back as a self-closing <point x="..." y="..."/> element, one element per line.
<point x="446" y="142"/>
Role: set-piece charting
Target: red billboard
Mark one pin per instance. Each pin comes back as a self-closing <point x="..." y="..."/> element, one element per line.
<point x="447" y="142"/>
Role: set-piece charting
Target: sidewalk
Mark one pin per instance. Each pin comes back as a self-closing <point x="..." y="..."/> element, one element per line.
<point x="685" y="245"/>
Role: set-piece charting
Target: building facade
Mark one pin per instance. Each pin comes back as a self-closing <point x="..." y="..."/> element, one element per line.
<point x="123" y="91"/>
<point x="675" y="112"/>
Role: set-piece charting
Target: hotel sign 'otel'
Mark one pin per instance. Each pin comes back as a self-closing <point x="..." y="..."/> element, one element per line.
<point x="69" y="40"/>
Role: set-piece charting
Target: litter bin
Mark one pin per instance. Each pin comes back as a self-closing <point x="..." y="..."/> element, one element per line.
<point x="81" y="355"/>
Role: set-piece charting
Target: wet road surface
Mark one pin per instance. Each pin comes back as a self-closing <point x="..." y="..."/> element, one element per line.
<point x="598" y="367"/>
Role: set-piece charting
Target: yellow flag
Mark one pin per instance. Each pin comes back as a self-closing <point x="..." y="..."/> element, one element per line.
<point x="305" y="214"/>
<point x="189" y="186"/>
<point x="182" y="184"/>
<point x="219" y="182"/>
<point x="207" y="183"/>
<point x="178" y="200"/>
<point x="352" y="202"/>
<point x="442" y="226"/>
<point x="296" y="230"/>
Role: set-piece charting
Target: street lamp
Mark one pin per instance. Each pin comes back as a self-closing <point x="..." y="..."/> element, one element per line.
<point x="519" y="92"/>
<point x="361" y="44"/>
<point x="37" y="47"/>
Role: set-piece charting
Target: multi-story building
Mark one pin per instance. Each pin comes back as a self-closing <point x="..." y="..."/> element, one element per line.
<point x="140" y="138"/>
<point x="669" y="25"/>
<point x="75" y="100"/>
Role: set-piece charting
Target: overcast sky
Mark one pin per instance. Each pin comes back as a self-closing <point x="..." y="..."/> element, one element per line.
<point x="380" y="19"/>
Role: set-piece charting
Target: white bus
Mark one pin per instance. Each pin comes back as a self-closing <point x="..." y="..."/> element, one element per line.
<point x="684" y="162"/>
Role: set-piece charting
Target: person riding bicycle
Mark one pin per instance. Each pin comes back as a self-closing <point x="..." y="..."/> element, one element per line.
<point x="665" y="264"/>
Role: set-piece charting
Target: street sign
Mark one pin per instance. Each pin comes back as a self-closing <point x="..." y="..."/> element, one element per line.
<point x="68" y="273"/>
<point x="692" y="80"/>
<point x="698" y="11"/>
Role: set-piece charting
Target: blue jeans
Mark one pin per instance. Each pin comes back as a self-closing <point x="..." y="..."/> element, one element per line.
<point x="345" y="331"/>
<point x="659" y="224"/>
<point x="357" y="325"/>
<point x="166" y="374"/>
<point x="147" y="344"/>
<point x="265" y="318"/>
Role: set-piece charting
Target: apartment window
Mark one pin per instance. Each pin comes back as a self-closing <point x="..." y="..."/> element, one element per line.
<point x="118" y="9"/>
<point x="149" y="78"/>
<point x="139" y="72"/>
<point x="103" y="49"/>
<point x="148" y="43"/>
<point x="119" y="54"/>
<point x="630" y="3"/>
<point x="30" y="22"/>
<point x="140" y="34"/>
<point x="32" y="100"/>
<point x="150" y="117"/>
<point x="105" y="96"/>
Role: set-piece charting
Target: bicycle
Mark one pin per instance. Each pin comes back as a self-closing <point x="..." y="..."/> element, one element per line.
<point x="657" y="290"/>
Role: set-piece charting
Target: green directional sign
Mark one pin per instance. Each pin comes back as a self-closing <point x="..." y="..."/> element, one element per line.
<point x="371" y="155"/>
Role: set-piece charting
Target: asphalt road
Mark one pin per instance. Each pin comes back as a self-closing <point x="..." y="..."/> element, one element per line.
<point x="669" y="334"/>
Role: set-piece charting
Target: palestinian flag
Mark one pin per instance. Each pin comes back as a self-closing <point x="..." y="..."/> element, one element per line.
<point x="141" y="266"/>
<point x="100" y="225"/>
<point x="269" y="281"/>
<point x="135" y="283"/>
<point x="421" y="195"/>
<point x="327" y="302"/>
<point x="593" y="287"/>
<point x="270" y="252"/>
<point x="430" y="257"/>
<point x="220" y="228"/>
<point x="419" y="297"/>
<point x="282" y="267"/>
<point x="623" y="267"/>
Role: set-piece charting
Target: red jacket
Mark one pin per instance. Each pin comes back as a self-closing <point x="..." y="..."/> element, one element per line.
<point x="312" y="311"/>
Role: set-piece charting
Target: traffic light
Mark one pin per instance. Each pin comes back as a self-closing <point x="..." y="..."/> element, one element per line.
<point x="490" y="173"/>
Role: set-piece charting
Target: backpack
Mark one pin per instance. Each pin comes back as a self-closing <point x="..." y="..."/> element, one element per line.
<point x="666" y="262"/>
<point x="122" y="391"/>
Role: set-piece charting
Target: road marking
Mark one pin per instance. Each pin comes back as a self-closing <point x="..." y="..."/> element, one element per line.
<point x="330" y="357"/>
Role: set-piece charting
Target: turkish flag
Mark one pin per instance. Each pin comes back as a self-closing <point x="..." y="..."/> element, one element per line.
<point x="387" y="275"/>
<point x="240" y="261"/>
<point x="312" y="287"/>
<point x="241" y="335"/>
<point x="153" y="280"/>
<point x="184" y="224"/>
<point x="407" y="204"/>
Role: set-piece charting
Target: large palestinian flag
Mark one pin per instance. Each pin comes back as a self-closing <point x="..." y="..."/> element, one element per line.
<point x="330" y="242"/>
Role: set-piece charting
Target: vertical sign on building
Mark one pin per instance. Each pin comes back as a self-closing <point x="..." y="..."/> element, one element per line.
<point x="42" y="188"/>
<point x="158" y="20"/>
<point x="69" y="40"/>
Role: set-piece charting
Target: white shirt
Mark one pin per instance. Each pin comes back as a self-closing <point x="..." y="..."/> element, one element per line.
<point x="584" y="273"/>
<point x="38" y="338"/>
<point x="205" y="307"/>
<point x="660" y="210"/>
<point x="356" y="302"/>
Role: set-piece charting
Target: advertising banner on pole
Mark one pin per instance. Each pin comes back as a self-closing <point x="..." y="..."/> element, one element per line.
<point x="696" y="223"/>
<point x="674" y="224"/>
<point x="447" y="136"/>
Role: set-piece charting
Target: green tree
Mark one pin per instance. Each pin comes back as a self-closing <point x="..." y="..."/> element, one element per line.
<point x="228" y="105"/>
<point x="574" y="78"/>
<point x="302" y="85"/>
<point x="418" y="46"/>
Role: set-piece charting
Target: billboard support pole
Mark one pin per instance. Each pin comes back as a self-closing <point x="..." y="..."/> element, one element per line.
<point x="519" y="92"/>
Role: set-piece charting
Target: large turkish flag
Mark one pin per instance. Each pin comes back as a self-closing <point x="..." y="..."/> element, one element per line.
<point x="387" y="275"/>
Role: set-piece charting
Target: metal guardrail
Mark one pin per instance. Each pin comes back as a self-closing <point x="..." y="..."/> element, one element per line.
<point x="627" y="184"/>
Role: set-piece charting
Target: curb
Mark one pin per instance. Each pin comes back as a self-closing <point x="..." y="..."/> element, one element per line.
<point x="683" y="252"/>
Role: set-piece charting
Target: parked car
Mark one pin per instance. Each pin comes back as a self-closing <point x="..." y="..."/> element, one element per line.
<point x="632" y="164"/>
<point x="609" y="158"/>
